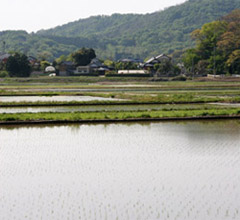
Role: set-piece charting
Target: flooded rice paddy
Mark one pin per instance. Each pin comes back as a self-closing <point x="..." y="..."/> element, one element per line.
<point x="51" y="98"/>
<point x="93" y="108"/>
<point x="131" y="171"/>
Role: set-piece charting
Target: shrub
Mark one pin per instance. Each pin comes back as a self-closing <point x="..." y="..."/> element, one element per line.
<point x="179" y="78"/>
<point x="3" y="74"/>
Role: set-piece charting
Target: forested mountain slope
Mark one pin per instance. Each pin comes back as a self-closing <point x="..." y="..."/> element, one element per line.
<point x="126" y="35"/>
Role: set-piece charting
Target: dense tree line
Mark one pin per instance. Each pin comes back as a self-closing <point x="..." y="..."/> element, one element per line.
<point x="217" y="47"/>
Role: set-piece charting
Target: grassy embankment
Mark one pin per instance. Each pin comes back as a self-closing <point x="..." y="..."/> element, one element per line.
<point x="93" y="79"/>
<point x="130" y="91"/>
<point x="147" y="98"/>
<point x="78" y="116"/>
<point x="165" y="112"/>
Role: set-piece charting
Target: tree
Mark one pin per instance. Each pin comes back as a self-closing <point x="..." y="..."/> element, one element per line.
<point x="61" y="59"/>
<point x="166" y="68"/>
<point x="230" y="40"/>
<point x="18" y="65"/>
<point x="83" y="56"/>
<point x="191" y="59"/>
<point x="45" y="55"/>
<point x="109" y="63"/>
<point x="44" y="64"/>
<point x="126" y="66"/>
<point x="233" y="62"/>
<point x="214" y="43"/>
<point x="207" y="38"/>
<point x="202" y="67"/>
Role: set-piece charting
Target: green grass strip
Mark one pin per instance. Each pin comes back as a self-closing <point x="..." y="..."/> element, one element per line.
<point x="77" y="116"/>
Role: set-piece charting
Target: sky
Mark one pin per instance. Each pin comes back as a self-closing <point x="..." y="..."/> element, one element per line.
<point x="33" y="15"/>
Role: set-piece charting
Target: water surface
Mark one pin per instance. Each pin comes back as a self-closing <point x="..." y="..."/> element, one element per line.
<point x="50" y="98"/>
<point x="121" y="171"/>
<point x="93" y="108"/>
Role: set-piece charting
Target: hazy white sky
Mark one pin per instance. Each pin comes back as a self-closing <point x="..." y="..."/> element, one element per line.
<point x="33" y="15"/>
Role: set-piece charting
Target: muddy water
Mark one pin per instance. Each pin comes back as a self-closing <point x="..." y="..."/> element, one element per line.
<point x="121" y="171"/>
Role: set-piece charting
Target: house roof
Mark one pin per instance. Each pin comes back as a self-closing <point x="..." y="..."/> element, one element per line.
<point x="103" y="68"/>
<point x="93" y="65"/>
<point x="157" y="59"/>
<point x="150" y="60"/>
<point x="148" y="65"/>
<point x="4" y="56"/>
<point x="96" y="62"/>
<point x="163" y="56"/>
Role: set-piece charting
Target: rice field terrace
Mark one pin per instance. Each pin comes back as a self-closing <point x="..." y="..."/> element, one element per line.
<point x="65" y="153"/>
<point x="182" y="99"/>
<point x="166" y="171"/>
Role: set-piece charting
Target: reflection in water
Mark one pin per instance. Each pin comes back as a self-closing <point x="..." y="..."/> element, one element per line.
<point x="184" y="170"/>
<point x="50" y="98"/>
<point x="92" y="108"/>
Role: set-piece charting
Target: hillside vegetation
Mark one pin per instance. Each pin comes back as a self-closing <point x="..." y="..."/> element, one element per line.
<point x="217" y="47"/>
<point x="124" y="35"/>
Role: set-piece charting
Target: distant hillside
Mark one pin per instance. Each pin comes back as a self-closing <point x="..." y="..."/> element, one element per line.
<point x="128" y="35"/>
<point x="38" y="46"/>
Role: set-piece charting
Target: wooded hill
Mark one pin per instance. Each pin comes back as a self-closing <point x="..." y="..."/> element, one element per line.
<point x="123" y="35"/>
<point x="217" y="48"/>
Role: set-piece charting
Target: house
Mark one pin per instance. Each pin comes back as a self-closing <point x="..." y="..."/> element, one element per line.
<point x="98" y="67"/>
<point x="66" y="68"/>
<point x="82" y="70"/>
<point x="96" y="63"/>
<point x="154" y="60"/>
<point x="34" y="62"/>
<point x="4" y="57"/>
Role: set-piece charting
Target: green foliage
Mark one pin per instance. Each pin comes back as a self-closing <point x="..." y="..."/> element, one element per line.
<point x="217" y="47"/>
<point x="166" y="68"/>
<point x="163" y="68"/>
<point x="126" y="66"/>
<point x="233" y="61"/>
<point x="119" y="115"/>
<point x="61" y="59"/>
<point x="109" y="63"/>
<point x="45" y="55"/>
<point x="190" y="59"/>
<point x="207" y="38"/>
<point x="18" y="65"/>
<point x="120" y="36"/>
<point x="44" y="64"/>
<point x="179" y="78"/>
<point x="3" y="74"/>
<point x="83" y="56"/>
